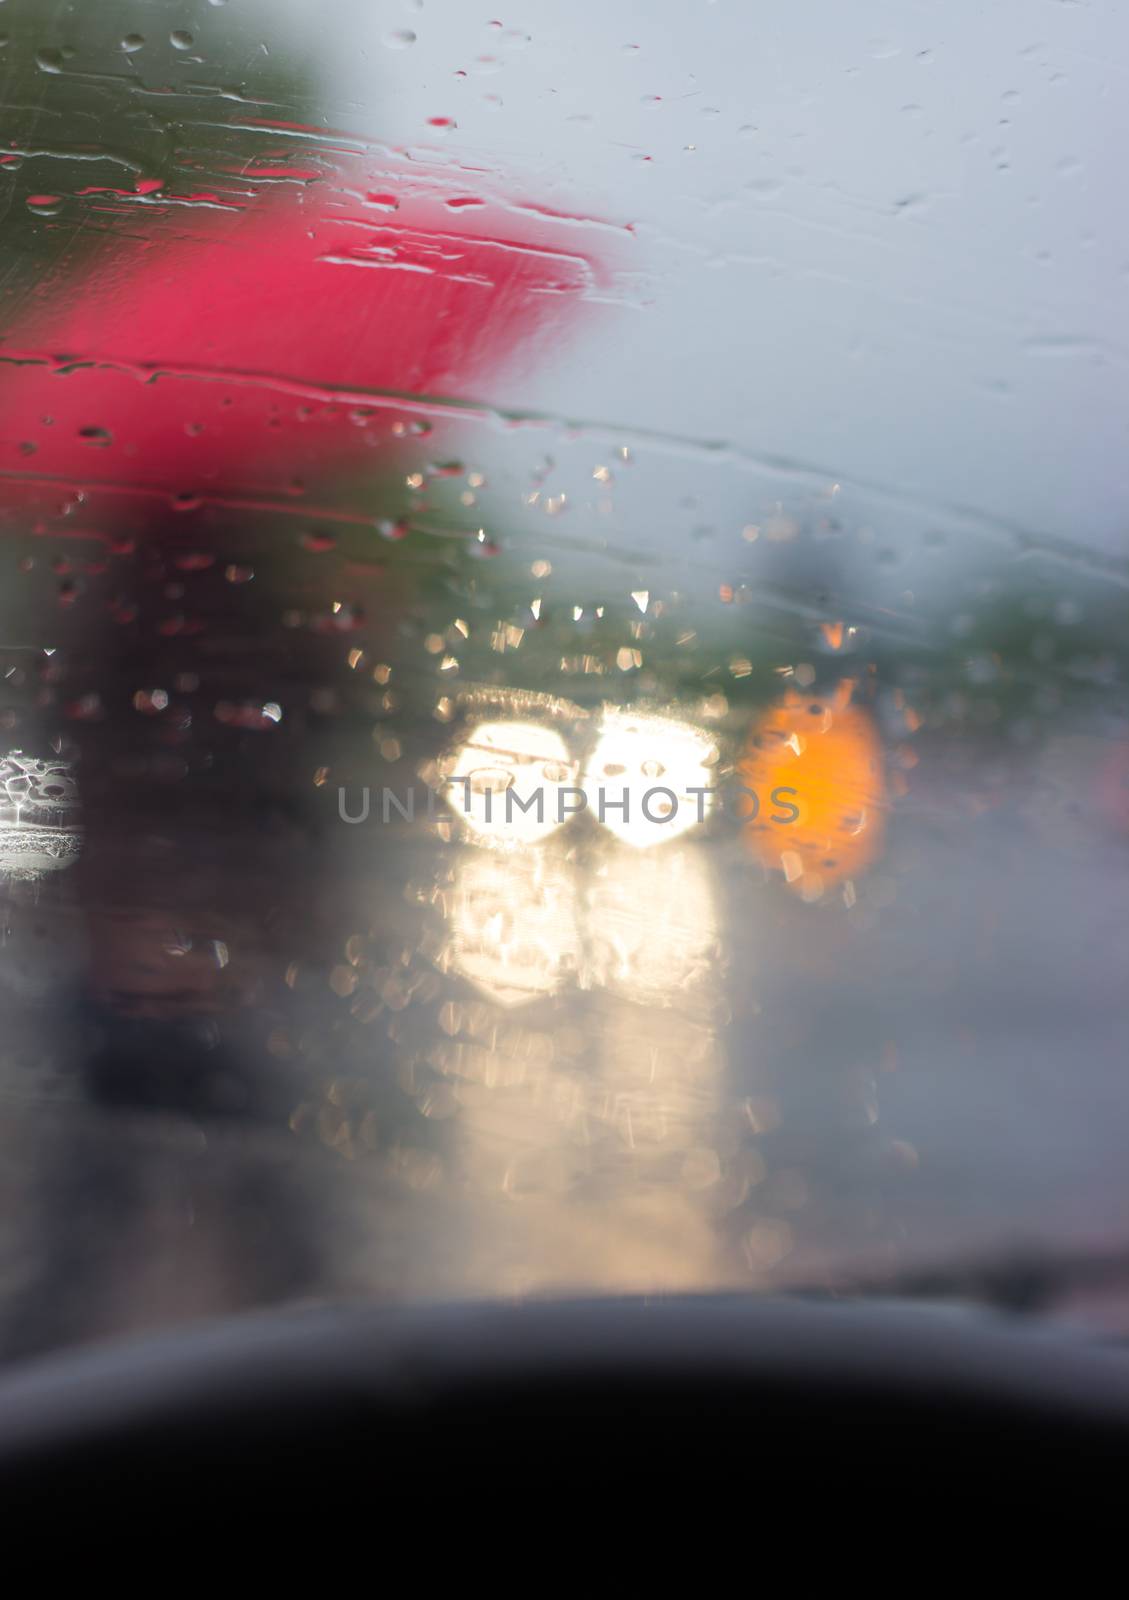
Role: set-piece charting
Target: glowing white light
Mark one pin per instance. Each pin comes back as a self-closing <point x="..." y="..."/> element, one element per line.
<point x="506" y="781"/>
<point x="649" y="778"/>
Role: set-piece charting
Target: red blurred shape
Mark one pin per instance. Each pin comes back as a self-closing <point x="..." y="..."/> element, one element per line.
<point x="223" y="350"/>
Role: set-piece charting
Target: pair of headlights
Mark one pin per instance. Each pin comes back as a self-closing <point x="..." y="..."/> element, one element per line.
<point x="648" y="779"/>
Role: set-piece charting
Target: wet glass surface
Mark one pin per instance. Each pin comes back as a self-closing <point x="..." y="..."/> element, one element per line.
<point x="563" y="602"/>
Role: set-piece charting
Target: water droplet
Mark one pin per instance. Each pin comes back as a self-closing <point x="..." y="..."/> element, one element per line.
<point x="132" y="43"/>
<point x="181" y="39"/>
<point x="44" y="205"/>
<point x="401" y="39"/>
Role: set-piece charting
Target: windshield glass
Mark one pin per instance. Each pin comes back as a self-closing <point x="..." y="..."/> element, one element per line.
<point x="563" y="600"/>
